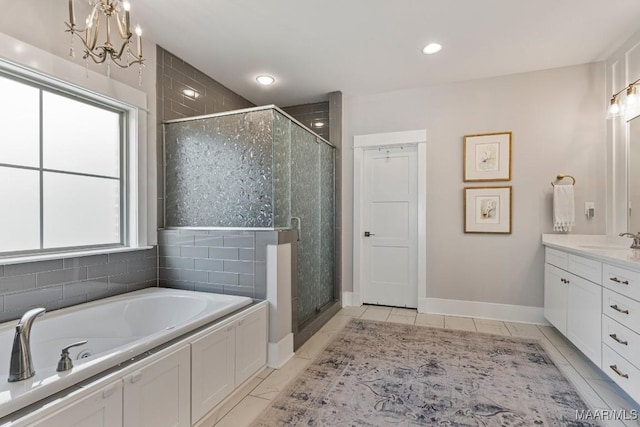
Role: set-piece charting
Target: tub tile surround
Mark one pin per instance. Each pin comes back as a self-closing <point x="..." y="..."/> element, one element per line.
<point x="63" y="282"/>
<point x="222" y="261"/>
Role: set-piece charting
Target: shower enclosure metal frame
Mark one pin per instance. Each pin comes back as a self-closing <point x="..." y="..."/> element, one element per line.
<point x="302" y="330"/>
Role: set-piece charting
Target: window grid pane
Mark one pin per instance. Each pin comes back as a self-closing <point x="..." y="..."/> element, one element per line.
<point x="51" y="210"/>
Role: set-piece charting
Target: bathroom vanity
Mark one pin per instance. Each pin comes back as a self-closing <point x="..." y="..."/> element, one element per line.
<point x="592" y="296"/>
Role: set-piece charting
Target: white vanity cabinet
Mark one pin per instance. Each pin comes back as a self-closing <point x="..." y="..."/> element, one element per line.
<point x="573" y="300"/>
<point x="102" y="408"/>
<point x="597" y="293"/>
<point x="621" y="327"/>
<point x="158" y="394"/>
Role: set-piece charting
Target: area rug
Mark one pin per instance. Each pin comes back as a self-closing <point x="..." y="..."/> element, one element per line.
<point x="386" y="374"/>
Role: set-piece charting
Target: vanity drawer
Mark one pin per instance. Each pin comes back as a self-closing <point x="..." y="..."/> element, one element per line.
<point x="558" y="258"/>
<point x="621" y="280"/>
<point x="622" y="339"/>
<point x="586" y="268"/>
<point x="622" y="309"/>
<point x="621" y="371"/>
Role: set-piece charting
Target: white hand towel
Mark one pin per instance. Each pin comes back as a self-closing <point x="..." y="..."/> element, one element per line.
<point x="564" y="213"/>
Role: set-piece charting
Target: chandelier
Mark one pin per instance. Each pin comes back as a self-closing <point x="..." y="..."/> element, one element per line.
<point x="111" y="17"/>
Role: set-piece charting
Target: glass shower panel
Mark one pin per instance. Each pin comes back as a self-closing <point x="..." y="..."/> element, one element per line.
<point x="281" y="170"/>
<point x="327" y="226"/>
<point x="305" y="205"/>
<point x="218" y="171"/>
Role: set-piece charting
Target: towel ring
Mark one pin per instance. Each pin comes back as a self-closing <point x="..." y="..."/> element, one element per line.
<point x="560" y="177"/>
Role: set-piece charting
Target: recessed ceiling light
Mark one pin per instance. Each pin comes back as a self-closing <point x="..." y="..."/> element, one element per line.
<point x="432" y="48"/>
<point x="190" y="93"/>
<point x="318" y="124"/>
<point x="265" y="80"/>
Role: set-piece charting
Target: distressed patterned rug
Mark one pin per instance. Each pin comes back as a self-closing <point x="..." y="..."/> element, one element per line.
<point x="386" y="374"/>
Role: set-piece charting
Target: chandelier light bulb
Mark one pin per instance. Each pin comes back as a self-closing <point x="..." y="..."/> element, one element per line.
<point x="126" y="6"/>
<point x="138" y="30"/>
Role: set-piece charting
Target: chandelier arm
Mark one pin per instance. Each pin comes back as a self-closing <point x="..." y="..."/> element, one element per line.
<point x="121" y="29"/>
<point x="95" y="30"/>
<point x="118" y="55"/>
<point x="97" y="58"/>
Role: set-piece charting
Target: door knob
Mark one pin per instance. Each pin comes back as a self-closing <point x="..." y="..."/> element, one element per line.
<point x="368" y="234"/>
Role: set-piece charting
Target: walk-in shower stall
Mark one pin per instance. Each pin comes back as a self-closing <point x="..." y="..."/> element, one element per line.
<point x="258" y="170"/>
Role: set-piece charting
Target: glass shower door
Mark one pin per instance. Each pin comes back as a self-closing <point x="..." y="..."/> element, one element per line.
<point x="305" y="213"/>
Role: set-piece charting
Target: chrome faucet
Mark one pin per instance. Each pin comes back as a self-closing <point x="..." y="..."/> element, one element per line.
<point x="636" y="239"/>
<point x="21" y="366"/>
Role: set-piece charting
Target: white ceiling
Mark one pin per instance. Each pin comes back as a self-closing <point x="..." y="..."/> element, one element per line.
<point x="372" y="46"/>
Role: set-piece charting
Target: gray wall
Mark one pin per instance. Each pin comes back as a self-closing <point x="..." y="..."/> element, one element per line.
<point x="59" y="283"/>
<point x="558" y="122"/>
<point x="227" y="262"/>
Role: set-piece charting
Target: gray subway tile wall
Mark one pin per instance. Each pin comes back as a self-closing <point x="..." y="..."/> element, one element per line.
<point x="173" y="76"/>
<point x="64" y="282"/>
<point x="312" y="115"/>
<point x="228" y="262"/>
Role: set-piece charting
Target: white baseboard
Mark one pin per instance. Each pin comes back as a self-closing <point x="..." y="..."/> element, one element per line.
<point x="483" y="310"/>
<point x="279" y="353"/>
<point x="351" y="299"/>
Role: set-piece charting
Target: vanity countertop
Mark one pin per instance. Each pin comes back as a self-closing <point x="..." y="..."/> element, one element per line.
<point x="610" y="249"/>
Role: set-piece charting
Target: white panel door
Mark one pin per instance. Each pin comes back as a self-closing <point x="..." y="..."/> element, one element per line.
<point x="251" y="344"/>
<point x="556" y="297"/>
<point x="390" y="216"/>
<point x="159" y="394"/>
<point x="213" y="367"/>
<point x="584" y="315"/>
<point x="102" y="408"/>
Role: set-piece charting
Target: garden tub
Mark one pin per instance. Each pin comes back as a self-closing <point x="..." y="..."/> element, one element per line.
<point x="116" y="328"/>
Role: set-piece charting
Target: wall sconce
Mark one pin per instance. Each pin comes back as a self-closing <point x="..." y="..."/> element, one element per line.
<point x="618" y="108"/>
<point x="113" y="15"/>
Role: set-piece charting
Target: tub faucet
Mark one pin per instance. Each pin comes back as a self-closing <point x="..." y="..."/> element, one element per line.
<point x="636" y="239"/>
<point x="21" y="366"/>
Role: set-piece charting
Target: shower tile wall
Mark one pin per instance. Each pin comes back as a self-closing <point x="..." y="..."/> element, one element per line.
<point x="64" y="282"/>
<point x="228" y="262"/>
<point x="173" y="76"/>
<point x="310" y="114"/>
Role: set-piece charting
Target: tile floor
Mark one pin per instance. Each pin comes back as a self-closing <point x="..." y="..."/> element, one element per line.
<point x="597" y="390"/>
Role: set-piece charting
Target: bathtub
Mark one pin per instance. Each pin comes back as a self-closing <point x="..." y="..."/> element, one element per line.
<point x="117" y="329"/>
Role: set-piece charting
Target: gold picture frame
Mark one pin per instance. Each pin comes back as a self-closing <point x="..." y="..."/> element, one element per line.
<point x="488" y="210"/>
<point x="487" y="157"/>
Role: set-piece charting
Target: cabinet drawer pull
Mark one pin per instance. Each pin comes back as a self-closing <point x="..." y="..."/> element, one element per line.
<point x="136" y="377"/>
<point x="618" y="309"/>
<point x="615" y="369"/>
<point x="615" y="279"/>
<point x="108" y="392"/>
<point x="615" y="338"/>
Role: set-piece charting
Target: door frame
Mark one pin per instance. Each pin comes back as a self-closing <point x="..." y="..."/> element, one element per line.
<point x="361" y="143"/>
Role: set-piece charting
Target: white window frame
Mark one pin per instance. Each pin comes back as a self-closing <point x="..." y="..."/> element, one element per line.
<point x="47" y="69"/>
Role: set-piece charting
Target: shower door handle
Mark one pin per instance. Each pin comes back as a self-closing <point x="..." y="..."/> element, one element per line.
<point x="298" y="226"/>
